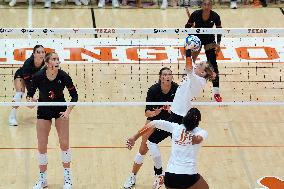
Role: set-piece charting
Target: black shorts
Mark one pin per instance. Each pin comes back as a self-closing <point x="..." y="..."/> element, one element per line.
<point x="49" y="112"/>
<point x="180" y="181"/>
<point x="159" y="135"/>
<point x="207" y="41"/>
<point x="18" y="73"/>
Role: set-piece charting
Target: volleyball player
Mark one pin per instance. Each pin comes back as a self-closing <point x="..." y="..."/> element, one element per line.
<point x="207" y="18"/>
<point x="22" y="78"/>
<point x="51" y="82"/>
<point x="163" y="91"/>
<point x="187" y="137"/>
<point x="189" y="88"/>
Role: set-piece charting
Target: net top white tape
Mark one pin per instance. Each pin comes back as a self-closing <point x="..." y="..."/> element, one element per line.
<point x="246" y="103"/>
<point x="132" y="31"/>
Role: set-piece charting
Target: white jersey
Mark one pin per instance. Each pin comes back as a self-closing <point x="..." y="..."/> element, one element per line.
<point x="189" y="88"/>
<point x="183" y="159"/>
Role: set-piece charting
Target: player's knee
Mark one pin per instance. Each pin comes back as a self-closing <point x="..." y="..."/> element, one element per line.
<point x="66" y="156"/>
<point x="64" y="145"/>
<point x="143" y="151"/>
<point x="143" y="148"/>
<point x="42" y="148"/>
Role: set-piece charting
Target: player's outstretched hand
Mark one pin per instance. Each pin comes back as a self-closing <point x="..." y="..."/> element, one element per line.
<point x="30" y="99"/>
<point x="130" y="143"/>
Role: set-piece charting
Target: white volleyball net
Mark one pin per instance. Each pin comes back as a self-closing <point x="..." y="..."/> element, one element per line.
<point x="119" y="65"/>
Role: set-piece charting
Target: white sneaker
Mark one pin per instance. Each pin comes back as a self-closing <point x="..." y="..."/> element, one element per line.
<point x="12" y="120"/>
<point x="158" y="182"/>
<point x="12" y="3"/>
<point x="67" y="179"/>
<point x="47" y="3"/>
<point x="85" y="2"/>
<point x="42" y="182"/>
<point x="67" y="185"/>
<point x="164" y="4"/>
<point x="101" y="3"/>
<point x="57" y="1"/>
<point x="130" y="182"/>
<point x="78" y="2"/>
<point x="233" y="5"/>
<point x="115" y="4"/>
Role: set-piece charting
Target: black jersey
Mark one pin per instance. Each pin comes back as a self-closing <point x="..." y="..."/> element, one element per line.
<point x="196" y="19"/>
<point x="155" y="94"/>
<point x="52" y="91"/>
<point x="28" y="70"/>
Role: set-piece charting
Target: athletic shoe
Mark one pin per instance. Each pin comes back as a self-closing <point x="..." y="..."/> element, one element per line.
<point x="158" y="182"/>
<point x="233" y="5"/>
<point x="115" y="4"/>
<point x="12" y="120"/>
<point x="101" y="3"/>
<point x="47" y="3"/>
<point x="217" y="98"/>
<point x="42" y="182"/>
<point x="164" y="4"/>
<point x="67" y="179"/>
<point x="12" y="3"/>
<point x="130" y="182"/>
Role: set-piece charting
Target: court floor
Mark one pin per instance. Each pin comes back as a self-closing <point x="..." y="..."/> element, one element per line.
<point x="244" y="144"/>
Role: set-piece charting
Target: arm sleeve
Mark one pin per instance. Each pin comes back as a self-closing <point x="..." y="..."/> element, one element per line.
<point x="149" y="98"/>
<point x="202" y="133"/>
<point x="33" y="86"/>
<point x="163" y="125"/>
<point x="71" y="88"/>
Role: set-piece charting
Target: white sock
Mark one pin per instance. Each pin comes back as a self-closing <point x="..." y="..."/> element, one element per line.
<point x="216" y="90"/>
<point x="13" y="112"/>
<point x="67" y="171"/>
<point x="67" y="176"/>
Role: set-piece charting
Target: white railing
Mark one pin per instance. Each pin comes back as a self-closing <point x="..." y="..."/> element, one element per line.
<point x="246" y="103"/>
<point x="131" y="31"/>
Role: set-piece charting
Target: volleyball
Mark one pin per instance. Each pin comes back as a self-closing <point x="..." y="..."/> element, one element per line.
<point x="192" y="42"/>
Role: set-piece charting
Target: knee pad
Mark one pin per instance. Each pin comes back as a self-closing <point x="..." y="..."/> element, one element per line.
<point x="153" y="149"/>
<point x="42" y="159"/>
<point x="139" y="158"/>
<point x="66" y="156"/>
<point x="157" y="162"/>
<point x="18" y="96"/>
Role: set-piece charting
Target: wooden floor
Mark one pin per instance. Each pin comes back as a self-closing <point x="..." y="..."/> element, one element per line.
<point x="245" y="143"/>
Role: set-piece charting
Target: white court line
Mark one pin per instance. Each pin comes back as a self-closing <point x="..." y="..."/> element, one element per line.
<point x="28" y="155"/>
<point x="30" y="16"/>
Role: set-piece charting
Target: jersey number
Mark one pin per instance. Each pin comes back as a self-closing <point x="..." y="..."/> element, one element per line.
<point x="51" y="94"/>
<point x="185" y="138"/>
